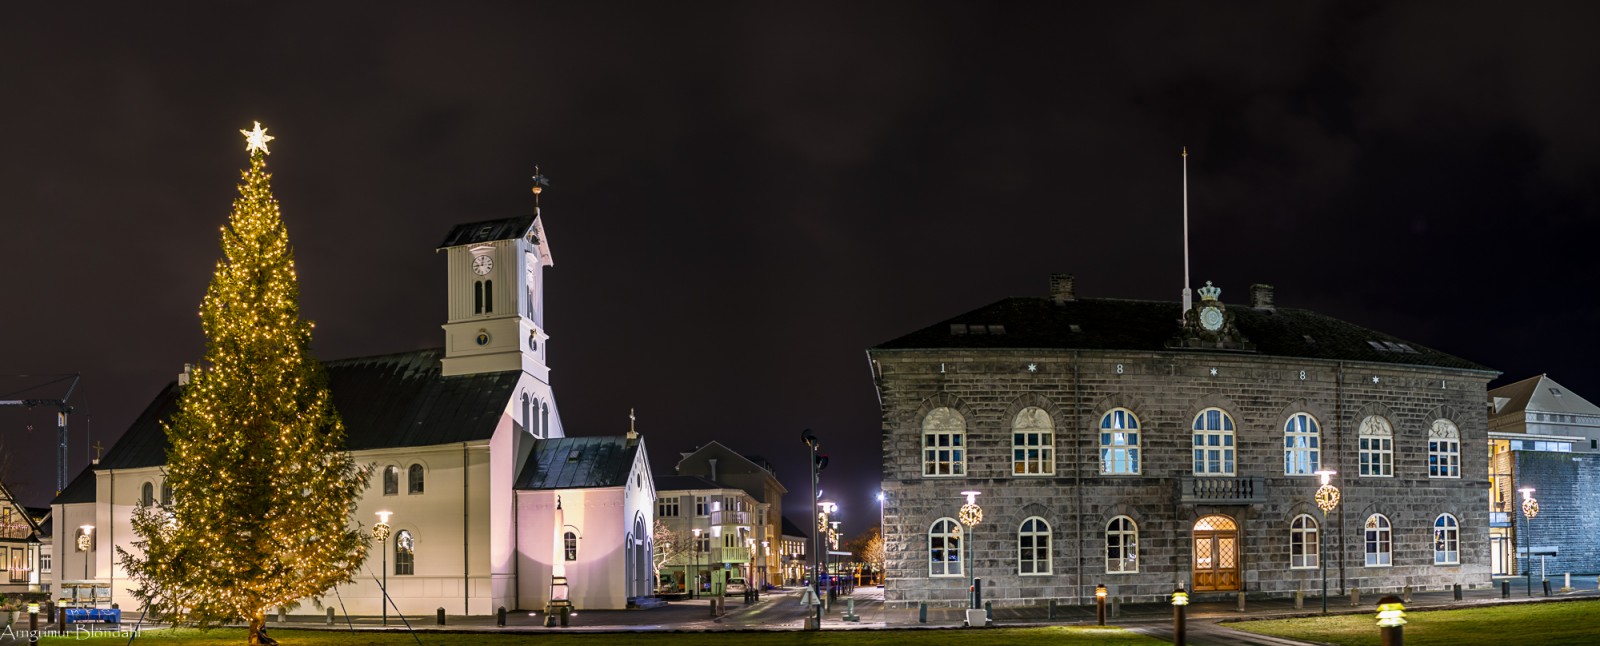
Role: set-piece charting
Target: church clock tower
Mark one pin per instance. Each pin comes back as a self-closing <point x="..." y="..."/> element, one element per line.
<point x="496" y="288"/>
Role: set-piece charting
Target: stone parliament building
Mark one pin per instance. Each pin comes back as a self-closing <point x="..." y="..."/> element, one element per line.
<point x="1133" y="444"/>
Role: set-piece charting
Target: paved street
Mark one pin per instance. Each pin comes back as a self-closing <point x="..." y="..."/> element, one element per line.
<point x="781" y="610"/>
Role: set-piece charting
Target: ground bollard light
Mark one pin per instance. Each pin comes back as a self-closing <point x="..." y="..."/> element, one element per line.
<point x="1391" y="620"/>
<point x="1100" y="603"/>
<point x="1180" y="599"/>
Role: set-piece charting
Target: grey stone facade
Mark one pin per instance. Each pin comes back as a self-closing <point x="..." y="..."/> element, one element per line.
<point x="1568" y="519"/>
<point x="1166" y="388"/>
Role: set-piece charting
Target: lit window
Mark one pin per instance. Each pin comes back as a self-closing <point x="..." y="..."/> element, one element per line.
<point x="1301" y="445"/>
<point x="944" y="548"/>
<point x="1033" y="443"/>
<point x="1379" y="545"/>
<point x="1119" y="442"/>
<point x="391" y="480"/>
<point x="569" y="544"/>
<point x="405" y="553"/>
<point x="1033" y="547"/>
<point x="1122" y="546"/>
<point x="1446" y="540"/>
<point x="1213" y="443"/>
<point x="1303" y="542"/>
<point x="1444" y="450"/>
<point x="944" y="434"/>
<point x="44" y="562"/>
<point x="1377" y="447"/>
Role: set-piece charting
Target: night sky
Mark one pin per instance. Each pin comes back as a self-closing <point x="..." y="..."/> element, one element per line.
<point x="747" y="196"/>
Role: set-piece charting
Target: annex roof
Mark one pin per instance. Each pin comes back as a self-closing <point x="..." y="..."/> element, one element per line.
<point x="685" y="483"/>
<point x="1116" y="324"/>
<point x="81" y="489"/>
<point x="386" y="401"/>
<point x="1540" y="394"/>
<point x="578" y="463"/>
<point x="790" y="529"/>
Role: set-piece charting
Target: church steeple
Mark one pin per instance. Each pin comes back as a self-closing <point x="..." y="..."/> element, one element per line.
<point x="496" y="297"/>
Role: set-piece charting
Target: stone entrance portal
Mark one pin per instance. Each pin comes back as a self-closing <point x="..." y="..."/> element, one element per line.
<point x="1216" y="554"/>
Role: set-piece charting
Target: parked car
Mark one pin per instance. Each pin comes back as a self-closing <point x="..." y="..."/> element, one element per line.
<point x="734" y="586"/>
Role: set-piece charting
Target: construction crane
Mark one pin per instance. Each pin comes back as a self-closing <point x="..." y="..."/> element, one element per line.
<point x="62" y="410"/>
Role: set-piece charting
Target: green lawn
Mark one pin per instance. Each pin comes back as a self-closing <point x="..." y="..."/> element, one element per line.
<point x="1522" y="624"/>
<point x="1050" y="636"/>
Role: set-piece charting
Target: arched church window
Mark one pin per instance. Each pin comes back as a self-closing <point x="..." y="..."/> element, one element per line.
<point x="477" y="297"/>
<point x="488" y="297"/>
<point x="569" y="545"/>
<point x="147" y="494"/>
<point x="414" y="479"/>
<point x="391" y="480"/>
<point x="405" y="553"/>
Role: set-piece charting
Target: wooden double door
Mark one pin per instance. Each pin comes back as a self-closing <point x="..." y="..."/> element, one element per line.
<point x="1216" y="554"/>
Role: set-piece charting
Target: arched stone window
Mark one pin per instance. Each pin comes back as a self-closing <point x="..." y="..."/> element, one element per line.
<point x="391" y="480"/>
<point x="1033" y="443"/>
<point x="944" y="548"/>
<point x="1303" y="546"/>
<point x="944" y="443"/>
<point x="1033" y="547"/>
<point x="1446" y="540"/>
<point x="1376" y="446"/>
<point x="1119" y="442"/>
<point x="1302" y="445"/>
<point x="1122" y="546"/>
<point x="147" y="494"/>
<point x="405" y="553"/>
<point x="1213" y="443"/>
<point x="1379" y="541"/>
<point x="1444" y="450"/>
<point x="414" y="479"/>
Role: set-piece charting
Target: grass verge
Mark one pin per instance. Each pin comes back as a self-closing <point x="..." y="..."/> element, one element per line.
<point x="1046" y="636"/>
<point x="1525" y="624"/>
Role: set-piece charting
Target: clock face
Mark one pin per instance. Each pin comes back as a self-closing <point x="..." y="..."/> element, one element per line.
<point x="1211" y="319"/>
<point x="482" y="264"/>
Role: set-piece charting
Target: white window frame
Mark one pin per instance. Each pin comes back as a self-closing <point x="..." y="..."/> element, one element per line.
<point x="1119" y="442"/>
<point x="46" y="560"/>
<point x="1302" y="445"/>
<point x="1303" y="531"/>
<point x="1444" y="450"/>
<point x="1123" y="533"/>
<point x="944" y="535"/>
<point x="1446" y="534"/>
<point x="391" y="480"/>
<point x="667" y="508"/>
<point x="1033" y="444"/>
<point x="1376" y="447"/>
<point x="404" y="543"/>
<point x="702" y="506"/>
<point x="1215" y="442"/>
<point x="944" y="444"/>
<point x="1378" y="541"/>
<point x="1033" y="535"/>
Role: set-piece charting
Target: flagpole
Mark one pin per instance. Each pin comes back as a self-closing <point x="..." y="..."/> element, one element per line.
<point x="1187" y="298"/>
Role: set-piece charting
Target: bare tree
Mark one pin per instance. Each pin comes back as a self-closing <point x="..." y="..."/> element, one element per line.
<point x="667" y="545"/>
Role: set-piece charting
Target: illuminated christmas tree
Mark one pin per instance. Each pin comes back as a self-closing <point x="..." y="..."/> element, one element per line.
<point x="263" y="489"/>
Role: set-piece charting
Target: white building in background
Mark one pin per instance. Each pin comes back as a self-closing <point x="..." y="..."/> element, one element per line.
<point x="452" y="432"/>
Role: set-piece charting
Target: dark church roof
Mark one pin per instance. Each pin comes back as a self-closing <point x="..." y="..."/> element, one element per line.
<point x="81" y="489"/>
<point x="578" y="463"/>
<point x="1113" y="324"/>
<point x="488" y="231"/>
<point x="790" y="529"/>
<point x="387" y="401"/>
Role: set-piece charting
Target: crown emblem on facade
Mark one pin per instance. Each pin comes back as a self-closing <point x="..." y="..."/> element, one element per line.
<point x="1209" y="292"/>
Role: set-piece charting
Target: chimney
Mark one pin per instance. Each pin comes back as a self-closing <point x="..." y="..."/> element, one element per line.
<point x="183" y="377"/>
<point x="1261" y="297"/>
<point x="713" y="463"/>
<point x="1061" y="288"/>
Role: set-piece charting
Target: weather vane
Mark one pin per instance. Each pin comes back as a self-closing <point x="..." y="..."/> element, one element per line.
<point x="539" y="184"/>
<point x="257" y="139"/>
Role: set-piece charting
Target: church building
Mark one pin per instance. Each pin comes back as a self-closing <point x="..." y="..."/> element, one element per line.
<point x="1142" y="446"/>
<point x="484" y="493"/>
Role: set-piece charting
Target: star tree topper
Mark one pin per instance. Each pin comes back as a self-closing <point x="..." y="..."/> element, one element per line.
<point x="257" y="139"/>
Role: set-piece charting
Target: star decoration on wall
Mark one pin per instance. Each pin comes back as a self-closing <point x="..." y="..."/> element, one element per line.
<point x="257" y="139"/>
<point x="1033" y="367"/>
<point x="1375" y="379"/>
<point x="1213" y="372"/>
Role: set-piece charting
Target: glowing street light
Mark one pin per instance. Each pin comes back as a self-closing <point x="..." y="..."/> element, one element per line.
<point x="1180" y="599"/>
<point x="85" y="543"/>
<point x="970" y="515"/>
<point x="1100" y="603"/>
<point x="1530" y="508"/>
<point x="1391" y="619"/>
<point x="694" y="561"/>
<point x="380" y="531"/>
<point x="1327" y="500"/>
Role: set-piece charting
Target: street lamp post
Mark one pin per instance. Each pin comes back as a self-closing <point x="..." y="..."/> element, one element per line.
<point x="817" y="463"/>
<point x="820" y="570"/>
<point x="694" y="563"/>
<point x="1530" y="508"/>
<point x="971" y="514"/>
<point x="833" y="546"/>
<point x="1327" y="499"/>
<point x="381" y="532"/>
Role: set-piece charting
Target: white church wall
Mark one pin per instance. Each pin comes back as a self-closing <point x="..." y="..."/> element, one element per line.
<point x="597" y="577"/>
<point x="69" y="564"/>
